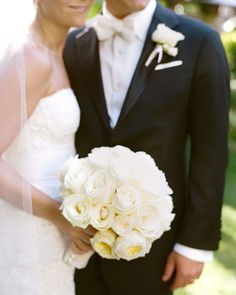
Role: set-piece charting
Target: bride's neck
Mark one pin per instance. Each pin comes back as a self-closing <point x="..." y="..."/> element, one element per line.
<point x="51" y="35"/>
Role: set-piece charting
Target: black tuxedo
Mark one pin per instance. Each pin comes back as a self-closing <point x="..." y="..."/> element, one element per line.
<point x="162" y="109"/>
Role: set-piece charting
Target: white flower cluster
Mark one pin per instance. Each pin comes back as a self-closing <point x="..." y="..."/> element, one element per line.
<point x="120" y="193"/>
<point x="168" y="38"/>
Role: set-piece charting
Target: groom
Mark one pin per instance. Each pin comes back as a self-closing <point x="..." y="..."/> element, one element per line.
<point x="155" y="108"/>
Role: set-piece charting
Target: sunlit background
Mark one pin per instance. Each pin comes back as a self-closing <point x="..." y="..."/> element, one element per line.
<point x="219" y="277"/>
<point x="15" y="15"/>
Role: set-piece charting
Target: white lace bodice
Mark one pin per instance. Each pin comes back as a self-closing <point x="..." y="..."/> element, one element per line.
<point x="31" y="256"/>
<point x="46" y="141"/>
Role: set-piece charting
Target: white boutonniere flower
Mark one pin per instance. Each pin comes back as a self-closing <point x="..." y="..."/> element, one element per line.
<point x="166" y="40"/>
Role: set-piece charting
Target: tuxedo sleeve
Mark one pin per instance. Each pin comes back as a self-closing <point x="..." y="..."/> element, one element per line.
<point x="208" y="124"/>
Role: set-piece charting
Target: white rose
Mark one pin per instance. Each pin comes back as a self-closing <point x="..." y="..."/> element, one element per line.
<point x="165" y="207"/>
<point x="165" y="35"/>
<point x="149" y="222"/>
<point x="77" y="210"/>
<point x="65" y="167"/>
<point x="100" y="186"/>
<point x="101" y="157"/>
<point x="145" y="160"/>
<point x="65" y="192"/>
<point x="154" y="182"/>
<point x="127" y="199"/>
<point x="131" y="246"/>
<point x="126" y="169"/>
<point x="120" y="151"/>
<point x="123" y="224"/>
<point x="102" y="216"/>
<point x="76" y="175"/>
<point x="172" y="51"/>
<point x="103" y="243"/>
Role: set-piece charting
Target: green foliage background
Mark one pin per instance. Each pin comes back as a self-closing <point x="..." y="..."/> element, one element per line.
<point x="229" y="41"/>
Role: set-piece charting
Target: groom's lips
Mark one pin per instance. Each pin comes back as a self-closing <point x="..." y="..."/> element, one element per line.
<point x="79" y="8"/>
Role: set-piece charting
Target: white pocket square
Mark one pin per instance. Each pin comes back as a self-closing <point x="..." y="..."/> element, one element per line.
<point x="172" y="64"/>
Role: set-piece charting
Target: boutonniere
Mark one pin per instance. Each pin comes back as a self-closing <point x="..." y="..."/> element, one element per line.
<point x="166" y="40"/>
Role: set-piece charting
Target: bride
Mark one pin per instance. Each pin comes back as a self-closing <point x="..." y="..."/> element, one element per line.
<point x="39" y="116"/>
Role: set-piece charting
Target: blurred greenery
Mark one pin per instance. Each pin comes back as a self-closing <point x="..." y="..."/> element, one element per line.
<point x="219" y="276"/>
<point x="95" y="8"/>
<point x="229" y="41"/>
<point x="232" y="129"/>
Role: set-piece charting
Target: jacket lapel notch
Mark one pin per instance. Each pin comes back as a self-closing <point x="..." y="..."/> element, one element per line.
<point x="142" y="73"/>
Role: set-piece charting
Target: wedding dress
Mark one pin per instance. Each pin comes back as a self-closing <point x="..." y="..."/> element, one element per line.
<point x="51" y="129"/>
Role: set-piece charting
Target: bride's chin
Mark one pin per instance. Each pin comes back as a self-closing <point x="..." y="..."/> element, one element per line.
<point x="78" y="24"/>
<point x="78" y="20"/>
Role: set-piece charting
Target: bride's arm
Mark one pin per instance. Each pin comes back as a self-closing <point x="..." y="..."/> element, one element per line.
<point x="37" y="74"/>
<point x="43" y="206"/>
<point x="24" y="79"/>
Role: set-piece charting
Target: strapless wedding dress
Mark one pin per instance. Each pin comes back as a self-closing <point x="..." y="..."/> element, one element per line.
<point x="31" y="262"/>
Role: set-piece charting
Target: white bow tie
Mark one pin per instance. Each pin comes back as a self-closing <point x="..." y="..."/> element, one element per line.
<point x="106" y="27"/>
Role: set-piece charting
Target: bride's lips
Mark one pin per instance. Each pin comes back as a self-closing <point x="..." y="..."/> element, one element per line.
<point x="79" y="8"/>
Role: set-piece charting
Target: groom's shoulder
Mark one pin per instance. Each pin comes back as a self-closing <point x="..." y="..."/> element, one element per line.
<point x="194" y="27"/>
<point x="81" y="33"/>
<point x="199" y="34"/>
<point x="188" y="25"/>
<point x="76" y="37"/>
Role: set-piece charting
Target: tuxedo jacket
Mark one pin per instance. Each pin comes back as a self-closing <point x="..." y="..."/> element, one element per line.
<point x="163" y="110"/>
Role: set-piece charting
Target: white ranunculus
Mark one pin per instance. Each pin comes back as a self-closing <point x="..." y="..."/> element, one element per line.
<point x="131" y="246"/>
<point x="103" y="243"/>
<point x="165" y="35"/>
<point x="102" y="216"/>
<point x="76" y="175"/>
<point x="100" y="186"/>
<point x="127" y="199"/>
<point x="77" y="210"/>
<point x="123" y="224"/>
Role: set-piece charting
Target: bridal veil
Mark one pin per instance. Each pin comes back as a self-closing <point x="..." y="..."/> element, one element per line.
<point x="15" y="17"/>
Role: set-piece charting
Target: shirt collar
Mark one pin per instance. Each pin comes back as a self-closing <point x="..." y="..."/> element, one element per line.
<point x="142" y="18"/>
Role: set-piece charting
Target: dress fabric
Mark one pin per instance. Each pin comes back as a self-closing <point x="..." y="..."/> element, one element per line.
<point x="32" y="248"/>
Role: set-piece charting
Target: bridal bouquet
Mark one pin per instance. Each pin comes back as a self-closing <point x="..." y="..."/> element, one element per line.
<point x="123" y="195"/>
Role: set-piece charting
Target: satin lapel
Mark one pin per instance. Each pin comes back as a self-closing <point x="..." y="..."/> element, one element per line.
<point x="88" y="56"/>
<point x="142" y="73"/>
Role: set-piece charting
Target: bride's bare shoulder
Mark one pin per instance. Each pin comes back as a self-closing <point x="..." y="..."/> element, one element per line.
<point x="38" y="71"/>
<point x="37" y="60"/>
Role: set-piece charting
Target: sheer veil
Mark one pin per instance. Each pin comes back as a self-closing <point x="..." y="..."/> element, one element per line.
<point x="15" y="18"/>
<point x="15" y="191"/>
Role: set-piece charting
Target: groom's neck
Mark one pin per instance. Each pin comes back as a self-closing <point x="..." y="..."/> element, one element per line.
<point x="122" y="8"/>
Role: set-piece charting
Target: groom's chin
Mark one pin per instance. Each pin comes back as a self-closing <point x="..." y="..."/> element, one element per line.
<point x="125" y="7"/>
<point x="137" y="5"/>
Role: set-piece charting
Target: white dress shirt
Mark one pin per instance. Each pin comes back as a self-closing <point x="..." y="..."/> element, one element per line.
<point x="119" y="57"/>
